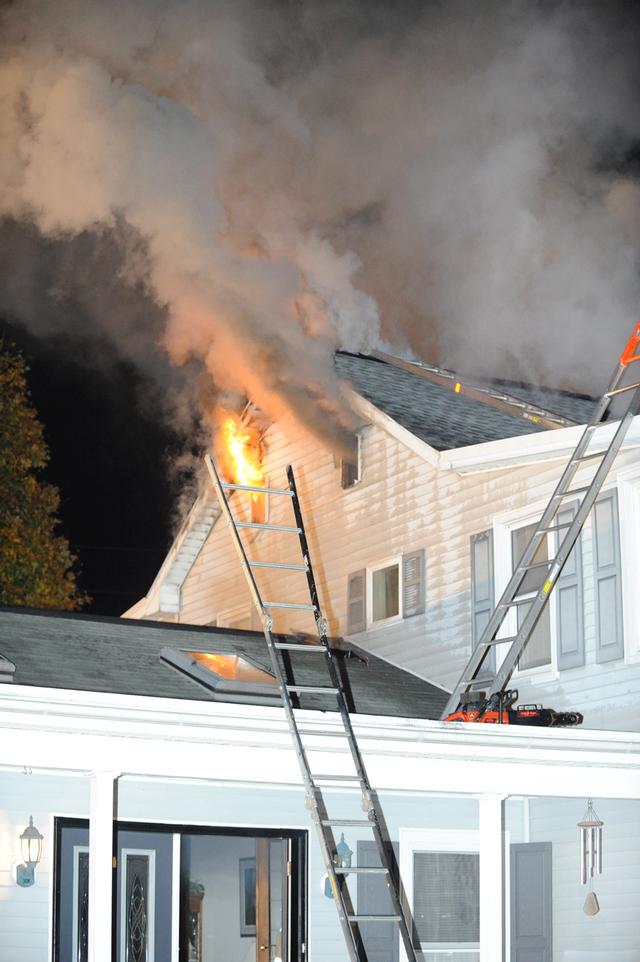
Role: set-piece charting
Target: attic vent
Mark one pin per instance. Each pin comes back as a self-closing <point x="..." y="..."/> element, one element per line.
<point x="7" y="670"/>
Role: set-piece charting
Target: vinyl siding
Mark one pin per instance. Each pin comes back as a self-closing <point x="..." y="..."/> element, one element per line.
<point x="403" y="504"/>
<point x="24" y="913"/>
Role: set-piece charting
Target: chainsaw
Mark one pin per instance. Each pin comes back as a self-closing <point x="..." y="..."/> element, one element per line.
<point x="498" y="710"/>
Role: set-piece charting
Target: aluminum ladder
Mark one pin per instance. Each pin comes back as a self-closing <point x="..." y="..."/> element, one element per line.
<point x="350" y="920"/>
<point x="473" y="678"/>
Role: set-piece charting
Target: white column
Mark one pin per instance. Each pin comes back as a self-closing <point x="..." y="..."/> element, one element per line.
<point x="492" y="880"/>
<point x="101" y="825"/>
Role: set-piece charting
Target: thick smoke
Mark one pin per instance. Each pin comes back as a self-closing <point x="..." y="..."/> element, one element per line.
<point x="451" y="179"/>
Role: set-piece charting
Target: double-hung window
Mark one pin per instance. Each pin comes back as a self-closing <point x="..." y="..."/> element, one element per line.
<point x="386" y="592"/>
<point x="441" y="869"/>
<point x="590" y="580"/>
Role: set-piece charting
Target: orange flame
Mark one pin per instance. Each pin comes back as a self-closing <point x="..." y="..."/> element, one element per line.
<point x="242" y="449"/>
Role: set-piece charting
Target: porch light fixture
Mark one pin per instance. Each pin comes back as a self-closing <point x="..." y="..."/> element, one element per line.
<point x="31" y="845"/>
<point x="590" y="844"/>
<point x="341" y="859"/>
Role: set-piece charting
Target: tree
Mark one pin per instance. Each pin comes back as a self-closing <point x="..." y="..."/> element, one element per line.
<point x="36" y="565"/>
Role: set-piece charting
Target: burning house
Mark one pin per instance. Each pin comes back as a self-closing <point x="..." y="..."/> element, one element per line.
<point x="412" y="539"/>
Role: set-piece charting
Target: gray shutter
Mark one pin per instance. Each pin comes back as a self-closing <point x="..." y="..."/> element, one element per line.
<point x="608" y="580"/>
<point x="413" y="583"/>
<point x="357" y="602"/>
<point x="482" y="589"/>
<point x="570" y="602"/>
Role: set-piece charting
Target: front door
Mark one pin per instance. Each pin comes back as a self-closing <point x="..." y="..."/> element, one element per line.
<point x="231" y="896"/>
<point x="144" y="896"/>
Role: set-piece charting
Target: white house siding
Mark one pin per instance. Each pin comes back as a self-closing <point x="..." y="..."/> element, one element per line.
<point x="615" y="932"/>
<point x="403" y="504"/>
<point x="24" y="912"/>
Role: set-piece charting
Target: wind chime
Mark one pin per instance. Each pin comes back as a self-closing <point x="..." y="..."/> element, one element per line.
<point x="590" y="855"/>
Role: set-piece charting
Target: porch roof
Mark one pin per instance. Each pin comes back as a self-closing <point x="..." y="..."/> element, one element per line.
<point x="122" y="656"/>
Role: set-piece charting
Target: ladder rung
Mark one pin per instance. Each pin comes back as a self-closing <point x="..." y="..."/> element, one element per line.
<point x="336" y="778"/>
<point x="571" y="491"/>
<point x="256" y="490"/>
<point x="519" y="600"/>
<point x="499" y="641"/>
<point x="267" y="527"/>
<point x="278" y="564"/>
<point x="286" y="604"/>
<point x="311" y="690"/>
<point x="591" y="456"/>
<point x="480" y="680"/>
<point x="555" y="527"/>
<point x="621" y="390"/>
<point x="294" y="646"/>
<point x="323" y="732"/>
<point x="348" y="822"/>
<point x="374" y="918"/>
<point x="536" y="564"/>
<point x="361" y="870"/>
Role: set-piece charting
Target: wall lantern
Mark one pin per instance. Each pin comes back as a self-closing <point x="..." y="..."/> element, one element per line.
<point x="341" y="859"/>
<point x="31" y="845"/>
<point x="590" y="844"/>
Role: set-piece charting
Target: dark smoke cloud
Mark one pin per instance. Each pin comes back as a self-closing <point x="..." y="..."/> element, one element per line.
<point x="261" y="184"/>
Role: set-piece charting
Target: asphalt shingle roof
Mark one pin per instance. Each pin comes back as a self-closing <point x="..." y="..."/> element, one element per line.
<point x="122" y="656"/>
<point x="445" y="420"/>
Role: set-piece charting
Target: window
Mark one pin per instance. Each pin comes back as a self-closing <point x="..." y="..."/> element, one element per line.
<point x="387" y="591"/>
<point x="442" y="872"/>
<point x="596" y="581"/>
<point x="482" y="592"/>
<point x="538" y="650"/>
<point x="351" y="466"/>
<point x="232" y="677"/>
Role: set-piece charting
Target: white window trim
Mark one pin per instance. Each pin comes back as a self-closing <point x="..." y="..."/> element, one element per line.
<point x="151" y="901"/>
<point x="503" y="525"/>
<point x="629" y="525"/>
<point x="78" y="850"/>
<point x="394" y="619"/>
<point x="434" y="840"/>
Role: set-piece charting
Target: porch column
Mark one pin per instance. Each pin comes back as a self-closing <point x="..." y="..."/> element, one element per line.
<point x="102" y="814"/>
<point x="492" y="879"/>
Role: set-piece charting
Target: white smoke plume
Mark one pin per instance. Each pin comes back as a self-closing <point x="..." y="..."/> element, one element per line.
<point x="450" y="178"/>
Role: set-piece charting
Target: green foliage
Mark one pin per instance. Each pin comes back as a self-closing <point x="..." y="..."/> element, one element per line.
<point x="36" y="566"/>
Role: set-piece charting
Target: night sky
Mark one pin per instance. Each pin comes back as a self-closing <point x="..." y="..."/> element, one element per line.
<point x="110" y="461"/>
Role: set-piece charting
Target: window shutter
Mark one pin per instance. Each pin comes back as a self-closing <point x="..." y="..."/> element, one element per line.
<point x="606" y="562"/>
<point x="356" y="602"/>
<point x="570" y="601"/>
<point x="413" y="583"/>
<point x="482" y="591"/>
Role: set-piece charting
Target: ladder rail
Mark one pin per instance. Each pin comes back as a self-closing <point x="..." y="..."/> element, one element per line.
<point x="509" y="597"/>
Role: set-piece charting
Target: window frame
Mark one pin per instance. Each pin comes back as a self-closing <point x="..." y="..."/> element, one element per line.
<point x="358" y="465"/>
<point x="433" y="841"/>
<point x="503" y="526"/>
<point x="222" y="689"/>
<point x="628" y="484"/>
<point x="371" y="570"/>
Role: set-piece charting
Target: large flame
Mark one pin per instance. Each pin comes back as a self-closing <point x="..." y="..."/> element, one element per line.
<point x="243" y="455"/>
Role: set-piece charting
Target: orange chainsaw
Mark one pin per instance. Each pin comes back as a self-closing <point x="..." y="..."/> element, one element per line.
<point x="498" y="710"/>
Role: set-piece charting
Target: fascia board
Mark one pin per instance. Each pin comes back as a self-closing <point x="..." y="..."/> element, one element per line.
<point x="530" y="448"/>
<point x="371" y="413"/>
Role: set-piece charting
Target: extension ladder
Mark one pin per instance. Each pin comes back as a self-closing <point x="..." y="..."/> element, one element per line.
<point x="350" y="920"/>
<point x="473" y="678"/>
